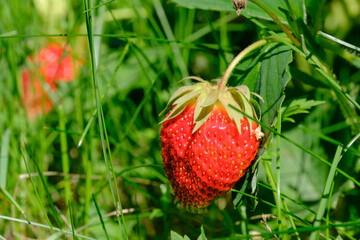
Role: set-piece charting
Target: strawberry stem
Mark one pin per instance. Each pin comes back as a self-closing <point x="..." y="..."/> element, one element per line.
<point x="237" y="59"/>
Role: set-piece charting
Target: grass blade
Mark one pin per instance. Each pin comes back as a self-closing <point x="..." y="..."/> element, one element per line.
<point x="169" y="34"/>
<point x="64" y="152"/>
<point x="100" y="217"/>
<point x="88" y="125"/>
<point x="72" y="219"/>
<point x="4" y="158"/>
<point x="44" y="226"/>
<point x="327" y="188"/>
<point x="299" y="146"/>
<point x="102" y="127"/>
<point x="12" y="200"/>
<point x="38" y="196"/>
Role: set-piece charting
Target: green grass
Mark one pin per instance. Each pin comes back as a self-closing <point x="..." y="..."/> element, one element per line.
<point x="91" y="168"/>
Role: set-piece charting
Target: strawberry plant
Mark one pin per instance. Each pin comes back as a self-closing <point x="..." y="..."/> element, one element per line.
<point x="262" y="142"/>
<point x="206" y="145"/>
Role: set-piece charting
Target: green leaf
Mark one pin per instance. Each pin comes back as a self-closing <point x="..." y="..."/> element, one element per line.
<point x="271" y="80"/>
<point x="307" y="78"/>
<point x="251" y="10"/>
<point x="202" y="234"/>
<point x="299" y="6"/>
<point x="314" y="9"/>
<point x="298" y="106"/>
<point x="176" y="236"/>
<point x="211" y="98"/>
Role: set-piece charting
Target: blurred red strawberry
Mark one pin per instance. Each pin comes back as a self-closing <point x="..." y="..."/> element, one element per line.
<point x="51" y="65"/>
<point x="55" y="64"/>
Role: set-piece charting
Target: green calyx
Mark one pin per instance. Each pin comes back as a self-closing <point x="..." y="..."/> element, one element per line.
<point x="205" y="95"/>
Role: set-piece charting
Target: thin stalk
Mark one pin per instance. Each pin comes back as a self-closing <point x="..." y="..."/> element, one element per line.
<point x="121" y="59"/>
<point x="277" y="173"/>
<point x="4" y="157"/>
<point x="12" y="200"/>
<point x="279" y="203"/>
<point x="72" y="219"/>
<point x="276" y="19"/>
<point x="244" y="228"/>
<point x="102" y="127"/>
<point x="169" y="34"/>
<point x="302" y="205"/>
<point x="274" y="206"/>
<point x="327" y="74"/>
<point x="187" y="31"/>
<point x="100" y="217"/>
<point x="223" y="42"/>
<point x="88" y="185"/>
<point x="328" y="210"/>
<point x="290" y="219"/>
<point x="64" y="153"/>
<point x="48" y="195"/>
<point x="216" y="38"/>
<point x="271" y="179"/>
<point x="86" y="160"/>
<point x="237" y="59"/>
<point x="43" y="226"/>
<point x="326" y="191"/>
<point x="38" y="196"/>
<point x="312" y="59"/>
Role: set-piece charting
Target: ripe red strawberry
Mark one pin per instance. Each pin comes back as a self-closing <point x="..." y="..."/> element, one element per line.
<point x="207" y="145"/>
<point x="52" y="66"/>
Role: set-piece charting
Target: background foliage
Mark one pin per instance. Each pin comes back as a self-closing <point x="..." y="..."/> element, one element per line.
<point x="97" y="154"/>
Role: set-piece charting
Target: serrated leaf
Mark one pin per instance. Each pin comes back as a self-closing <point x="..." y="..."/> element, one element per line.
<point x="271" y="80"/>
<point x="251" y="10"/>
<point x="253" y="74"/>
<point x="298" y="106"/>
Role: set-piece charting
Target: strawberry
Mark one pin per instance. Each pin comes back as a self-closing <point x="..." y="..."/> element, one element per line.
<point x="207" y="146"/>
<point x="52" y="64"/>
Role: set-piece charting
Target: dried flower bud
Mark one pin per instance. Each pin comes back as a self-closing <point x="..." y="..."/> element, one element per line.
<point x="239" y="5"/>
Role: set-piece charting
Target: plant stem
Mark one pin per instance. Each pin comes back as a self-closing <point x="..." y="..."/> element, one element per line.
<point x="277" y="180"/>
<point x="64" y="153"/>
<point x="325" y="196"/>
<point x="276" y="19"/>
<point x="237" y="59"/>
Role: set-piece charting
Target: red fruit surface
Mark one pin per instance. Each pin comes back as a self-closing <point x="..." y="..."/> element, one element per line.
<point x="51" y="65"/>
<point x="206" y="164"/>
<point x="35" y="100"/>
<point x="55" y="65"/>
